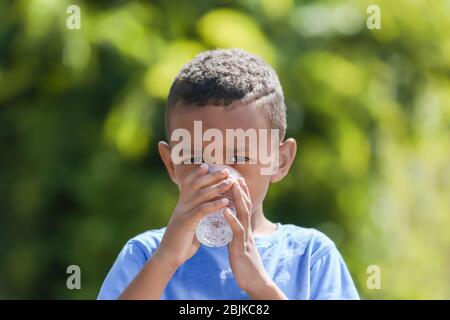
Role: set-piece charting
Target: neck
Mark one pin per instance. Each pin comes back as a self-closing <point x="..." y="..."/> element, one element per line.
<point x="260" y="224"/>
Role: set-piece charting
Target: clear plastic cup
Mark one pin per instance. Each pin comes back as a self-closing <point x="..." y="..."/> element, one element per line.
<point x="213" y="230"/>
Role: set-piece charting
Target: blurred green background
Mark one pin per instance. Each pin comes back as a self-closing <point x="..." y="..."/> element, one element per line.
<point x="81" y="112"/>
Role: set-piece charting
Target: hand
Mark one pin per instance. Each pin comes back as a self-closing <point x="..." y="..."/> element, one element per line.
<point x="179" y="242"/>
<point x="245" y="260"/>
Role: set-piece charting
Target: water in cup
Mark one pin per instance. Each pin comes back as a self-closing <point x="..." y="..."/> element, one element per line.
<point x="213" y="230"/>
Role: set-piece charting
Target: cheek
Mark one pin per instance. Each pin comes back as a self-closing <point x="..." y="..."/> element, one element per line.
<point x="257" y="185"/>
<point x="258" y="191"/>
<point x="182" y="171"/>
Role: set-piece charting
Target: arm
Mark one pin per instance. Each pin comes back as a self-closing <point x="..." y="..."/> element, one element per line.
<point x="155" y="272"/>
<point x="269" y="291"/>
<point x="179" y="242"/>
<point x="245" y="261"/>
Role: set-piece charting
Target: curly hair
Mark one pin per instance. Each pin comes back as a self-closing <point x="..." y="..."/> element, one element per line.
<point x="222" y="77"/>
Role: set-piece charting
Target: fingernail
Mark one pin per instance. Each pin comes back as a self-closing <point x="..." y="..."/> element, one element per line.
<point x="226" y="171"/>
<point x="227" y="181"/>
<point x="241" y="180"/>
<point x="204" y="165"/>
<point x="224" y="201"/>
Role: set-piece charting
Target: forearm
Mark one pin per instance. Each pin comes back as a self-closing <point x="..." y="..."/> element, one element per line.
<point x="151" y="281"/>
<point x="269" y="291"/>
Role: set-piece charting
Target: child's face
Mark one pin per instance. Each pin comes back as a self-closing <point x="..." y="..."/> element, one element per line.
<point x="231" y="117"/>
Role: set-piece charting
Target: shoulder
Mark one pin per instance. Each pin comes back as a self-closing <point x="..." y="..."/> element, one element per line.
<point x="314" y="238"/>
<point x="146" y="242"/>
<point x="307" y="241"/>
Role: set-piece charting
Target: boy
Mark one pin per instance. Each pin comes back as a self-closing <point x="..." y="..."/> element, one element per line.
<point x="228" y="89"/>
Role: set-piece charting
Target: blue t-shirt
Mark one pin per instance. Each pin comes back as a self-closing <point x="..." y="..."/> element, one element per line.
<point x="304" y="263"/>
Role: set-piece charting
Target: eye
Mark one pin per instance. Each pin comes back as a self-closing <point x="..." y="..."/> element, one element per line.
<point x="239" y="159"/>
<point x="196" y="160"/>
<point x="193" y="160"/>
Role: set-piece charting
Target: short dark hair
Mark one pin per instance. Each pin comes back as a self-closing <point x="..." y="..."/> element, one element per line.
<point x="221" y="77"/>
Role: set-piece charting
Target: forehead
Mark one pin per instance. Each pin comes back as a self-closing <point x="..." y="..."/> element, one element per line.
<point x="235" y="116"/>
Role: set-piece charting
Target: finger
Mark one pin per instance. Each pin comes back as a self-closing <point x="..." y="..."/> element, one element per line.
<point x="248" y="201"/>
<point x="207" y="208"/>
<point x="246" y="191"/>
<point x="210" y="193"/>
<point x="239" y="236"/>
<point x="195" y="242"/>
<point x="241" y="207"/>
<point x="211" y="178"/>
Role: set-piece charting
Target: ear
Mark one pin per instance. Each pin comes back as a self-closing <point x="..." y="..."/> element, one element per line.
<point x="165" y="154"/>
<point x="287" y="152"/>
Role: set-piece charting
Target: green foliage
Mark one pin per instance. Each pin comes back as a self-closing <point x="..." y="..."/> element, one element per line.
<point x="81" y="112"/>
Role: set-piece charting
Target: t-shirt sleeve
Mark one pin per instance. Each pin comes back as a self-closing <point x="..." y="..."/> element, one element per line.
<point x="128" y="264"/>
<point x="330" y="278"/>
